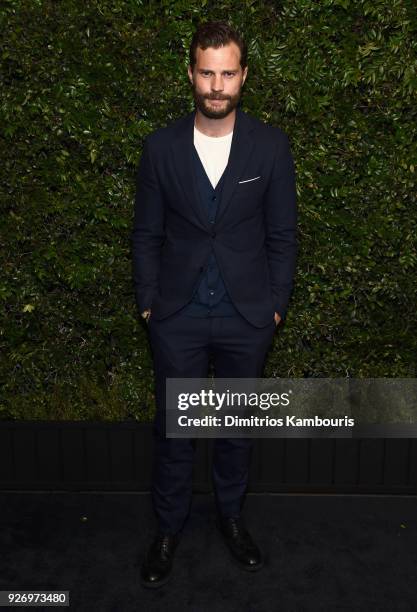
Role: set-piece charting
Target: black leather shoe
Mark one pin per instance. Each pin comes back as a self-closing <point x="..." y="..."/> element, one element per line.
<point x="157" y="565"/>
<point x="243" y="549"/>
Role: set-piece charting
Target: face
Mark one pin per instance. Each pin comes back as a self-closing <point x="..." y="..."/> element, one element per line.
<point x="217" y="80"/>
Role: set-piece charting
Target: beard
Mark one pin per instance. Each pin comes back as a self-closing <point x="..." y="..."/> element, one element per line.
<point x="202" y="102"/>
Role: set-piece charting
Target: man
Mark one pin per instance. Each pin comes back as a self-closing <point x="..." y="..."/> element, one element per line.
<point x="214" y="250"/>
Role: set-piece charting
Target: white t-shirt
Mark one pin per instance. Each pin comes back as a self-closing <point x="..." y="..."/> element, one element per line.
<point x="214" y="153"/>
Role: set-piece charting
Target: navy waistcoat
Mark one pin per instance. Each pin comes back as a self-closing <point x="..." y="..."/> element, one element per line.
<point x="210" y="297"/>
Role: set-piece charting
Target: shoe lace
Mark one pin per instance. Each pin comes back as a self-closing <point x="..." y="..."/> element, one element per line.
<point x="164" y="543"/>
<point x="239" y="531"/>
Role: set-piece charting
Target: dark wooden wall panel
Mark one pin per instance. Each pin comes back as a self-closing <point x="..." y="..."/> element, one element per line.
<point x="296" y="461"/>
<point x="119" y="456"/>
<point x="346" y="461"/>
<point x="371" y="462"/>
<point x="143" y="456"/>
<point x="97" y="454"/>
<point x="321" y="462"/>
<point x="49" y="455"/>
<point x="396" y="460"/>
<point x="6" y="454"/>
<point x="412" y="464"/>
<point x="73" y="456"/>
<point x="202" y="465"/>
<point x="268" y="461"/>
<point x="24" y="456"/>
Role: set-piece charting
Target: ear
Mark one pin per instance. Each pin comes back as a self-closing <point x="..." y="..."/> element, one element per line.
<point x="190" y="74"/>
<point x="245" y="72"/>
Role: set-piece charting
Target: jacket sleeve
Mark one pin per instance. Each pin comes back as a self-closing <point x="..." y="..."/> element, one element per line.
<point x="281" y="225"/>
<point x="148" y="231"/>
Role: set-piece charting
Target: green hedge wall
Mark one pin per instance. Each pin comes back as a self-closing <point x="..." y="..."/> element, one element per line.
<point x="82" y="84"/>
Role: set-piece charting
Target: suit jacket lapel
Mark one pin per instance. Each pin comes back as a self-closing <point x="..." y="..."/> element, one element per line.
<point x="182" y="151"/>
<point x="240" y="150"/>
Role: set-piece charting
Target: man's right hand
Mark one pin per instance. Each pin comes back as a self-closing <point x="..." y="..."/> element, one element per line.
<point x="146" y="314"/>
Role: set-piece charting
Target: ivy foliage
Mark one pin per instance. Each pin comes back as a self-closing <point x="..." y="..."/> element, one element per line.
<point x="82" y="84"/>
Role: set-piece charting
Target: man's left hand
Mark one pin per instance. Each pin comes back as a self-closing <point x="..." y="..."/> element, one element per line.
<point x="277" y="318"/>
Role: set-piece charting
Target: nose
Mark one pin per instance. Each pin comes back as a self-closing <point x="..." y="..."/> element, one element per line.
<point x="217" y="83"/>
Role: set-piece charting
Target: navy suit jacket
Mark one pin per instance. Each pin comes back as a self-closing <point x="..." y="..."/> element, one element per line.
<point x="254" y="236"/>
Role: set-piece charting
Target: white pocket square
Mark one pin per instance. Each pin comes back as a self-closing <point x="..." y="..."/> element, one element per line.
<point x="251" y="179"/>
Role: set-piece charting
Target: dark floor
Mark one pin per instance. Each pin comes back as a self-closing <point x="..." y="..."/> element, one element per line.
<point x="321" y="553"/>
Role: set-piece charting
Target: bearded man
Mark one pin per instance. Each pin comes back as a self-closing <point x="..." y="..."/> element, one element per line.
<point x="214" y="250"/>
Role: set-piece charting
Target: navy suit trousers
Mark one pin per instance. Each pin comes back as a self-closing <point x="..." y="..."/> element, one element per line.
<point x="182" y="347"/>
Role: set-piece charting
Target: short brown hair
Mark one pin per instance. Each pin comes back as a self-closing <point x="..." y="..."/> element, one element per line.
<point x="217" y="34"/>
